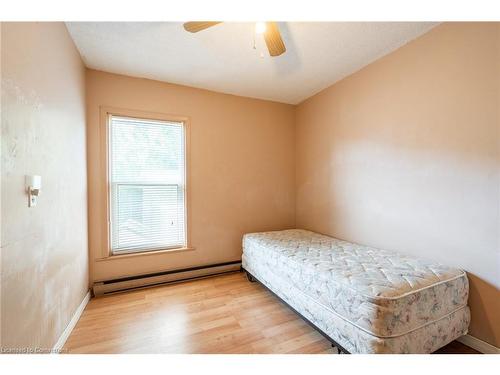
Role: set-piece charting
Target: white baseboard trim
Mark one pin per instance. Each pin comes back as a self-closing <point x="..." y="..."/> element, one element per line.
<point x="479" y="345"/>
<point x="72" y="323"/>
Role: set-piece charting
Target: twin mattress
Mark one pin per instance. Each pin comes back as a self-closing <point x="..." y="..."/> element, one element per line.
<point x="368" y="300"/>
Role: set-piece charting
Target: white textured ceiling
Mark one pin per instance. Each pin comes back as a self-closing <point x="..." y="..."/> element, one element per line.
<point x="223" y="59"/>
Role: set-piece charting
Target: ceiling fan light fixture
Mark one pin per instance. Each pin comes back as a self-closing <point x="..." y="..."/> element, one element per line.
<point x="260" y="27"/>
<point x="269" y="30"/>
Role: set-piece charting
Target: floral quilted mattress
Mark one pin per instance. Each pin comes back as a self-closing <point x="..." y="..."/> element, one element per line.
<point x="384" y="293"/>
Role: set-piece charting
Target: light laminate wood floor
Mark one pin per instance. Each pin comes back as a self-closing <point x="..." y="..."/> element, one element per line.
<point x="223" y="314"/>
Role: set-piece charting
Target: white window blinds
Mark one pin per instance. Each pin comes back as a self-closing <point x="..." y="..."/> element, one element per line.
<point x="147" y="184"/>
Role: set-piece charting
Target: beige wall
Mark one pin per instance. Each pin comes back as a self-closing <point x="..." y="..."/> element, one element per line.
<point x="43" y="249"/>
<point x="404" y="155"/>
<point x="241" y="176"/>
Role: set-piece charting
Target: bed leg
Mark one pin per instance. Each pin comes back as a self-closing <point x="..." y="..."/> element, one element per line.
<point x="250" y="277"/>
<point x="339" y="351"/>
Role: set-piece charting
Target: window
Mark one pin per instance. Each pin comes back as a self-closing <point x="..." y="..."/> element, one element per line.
<point x="147" y="192"/>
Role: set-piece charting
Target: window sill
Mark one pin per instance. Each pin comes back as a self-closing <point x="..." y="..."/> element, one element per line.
<point x="144" y="253"/>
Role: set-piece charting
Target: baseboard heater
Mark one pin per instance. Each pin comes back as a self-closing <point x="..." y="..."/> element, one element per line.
<point x="174" y="276"/>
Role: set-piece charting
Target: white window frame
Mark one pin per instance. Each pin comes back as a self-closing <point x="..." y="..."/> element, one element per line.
<point x="106" y="114"/>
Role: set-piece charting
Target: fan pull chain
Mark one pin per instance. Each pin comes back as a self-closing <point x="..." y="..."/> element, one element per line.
<point x="261" y="54"/>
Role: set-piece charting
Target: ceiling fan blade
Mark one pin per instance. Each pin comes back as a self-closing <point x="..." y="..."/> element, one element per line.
<point x="194" y="27"/>
<point x="273" y="39"/>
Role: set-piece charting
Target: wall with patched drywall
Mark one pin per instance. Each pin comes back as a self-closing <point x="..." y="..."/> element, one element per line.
<point x="43" y="249"/>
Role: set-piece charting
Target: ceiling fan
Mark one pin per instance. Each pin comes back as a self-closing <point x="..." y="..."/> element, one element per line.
<point x="270" y="31"/>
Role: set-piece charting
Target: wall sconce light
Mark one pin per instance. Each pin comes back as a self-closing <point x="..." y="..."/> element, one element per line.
<point x="33" y="186"/>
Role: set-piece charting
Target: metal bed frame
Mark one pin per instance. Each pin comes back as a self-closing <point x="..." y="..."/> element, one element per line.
<point x="340" y="348"/>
